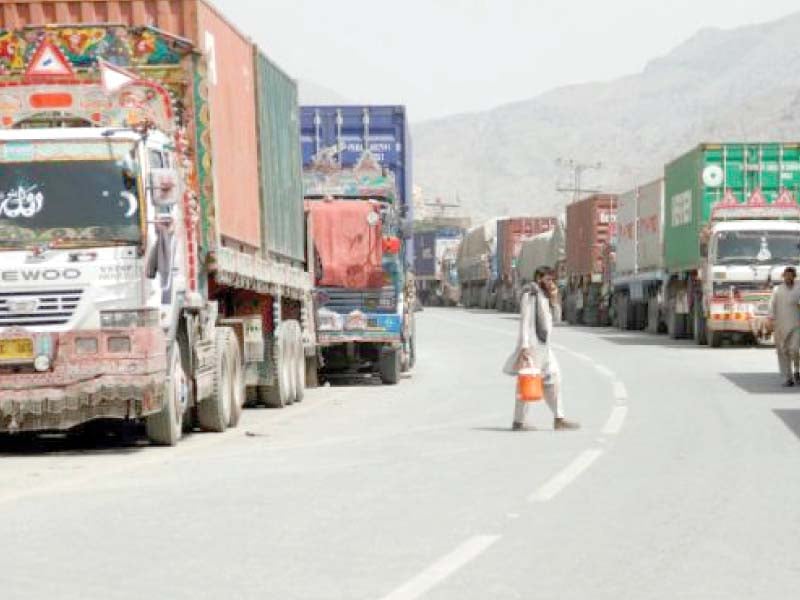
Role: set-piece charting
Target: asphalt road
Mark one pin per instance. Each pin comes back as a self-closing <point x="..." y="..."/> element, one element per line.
<point x="683" y="483"/>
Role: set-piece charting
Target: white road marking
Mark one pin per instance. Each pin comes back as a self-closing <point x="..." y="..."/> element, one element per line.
<point x="620" y="391"/>
<point x="603" y="370"/>
<point x="553" y="487"/>
<point x="616" y="420"/>
<point x="443" y="568"/>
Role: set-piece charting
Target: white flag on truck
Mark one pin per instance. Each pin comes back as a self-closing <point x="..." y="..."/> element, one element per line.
<point x="115" y="78"/>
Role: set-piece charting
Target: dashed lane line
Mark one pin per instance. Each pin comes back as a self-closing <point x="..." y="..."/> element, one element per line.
<point x="620" y="391"/>
<point x="615" y="422"/>
<point x="443" y="568"/>
<point x="561" y="480"/>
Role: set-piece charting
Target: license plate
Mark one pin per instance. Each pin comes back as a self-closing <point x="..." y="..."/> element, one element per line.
<point x="16" y="349"/>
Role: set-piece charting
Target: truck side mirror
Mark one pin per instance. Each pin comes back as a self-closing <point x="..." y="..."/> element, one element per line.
<point x="704" y="249"/>
<point x="164" y="187"/>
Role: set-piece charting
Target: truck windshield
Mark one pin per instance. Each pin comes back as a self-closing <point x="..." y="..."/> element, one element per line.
<point x="72" y="192"/>
<point x="758" y="247"/>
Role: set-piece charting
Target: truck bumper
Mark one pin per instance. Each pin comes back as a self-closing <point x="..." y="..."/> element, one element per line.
<point x="758" y="325"/>
<point x="80" y="387"/>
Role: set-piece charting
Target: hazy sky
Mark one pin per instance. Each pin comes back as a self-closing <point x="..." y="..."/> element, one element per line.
<point x="442" y="57"/>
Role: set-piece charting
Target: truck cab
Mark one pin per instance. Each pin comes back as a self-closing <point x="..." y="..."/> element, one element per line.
<point x="746" y="260"/>
<point x="92" y="274"/>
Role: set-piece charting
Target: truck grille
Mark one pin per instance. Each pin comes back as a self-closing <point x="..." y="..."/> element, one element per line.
<point x="25" y="309"/>
<point x="345" y="301"/>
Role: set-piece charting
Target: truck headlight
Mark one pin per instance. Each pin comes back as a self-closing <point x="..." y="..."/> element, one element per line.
<point x="125" y="319"/>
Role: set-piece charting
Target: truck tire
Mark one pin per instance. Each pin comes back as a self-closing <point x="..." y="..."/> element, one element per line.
<point x="299" y="370"/>
<point x="675" y="327"/>
<point x="390" y="366"/>
<point x="238" y="388"/>
<point x="699" y="331"/>
<point x="166" y="427"/>
<point x="409" y="357"/>
<point x="214" y="413"/>
<point x="623" y="313"/>
<point x="280" y="393"/>
<point x="715" y="339"/>
<point x="312" y="373"/>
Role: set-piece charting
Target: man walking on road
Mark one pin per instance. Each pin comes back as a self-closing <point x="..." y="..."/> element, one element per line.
<point x="534" y="343"/>
<point x="784" y="311"/>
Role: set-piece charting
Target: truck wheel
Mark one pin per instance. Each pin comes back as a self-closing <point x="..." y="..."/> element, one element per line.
<point x="715" y="339"/>
<point x="299" y="364"/>
<point x="166" y="427"/>
<point x="280" y="393"/>
<point x="699" y="332"/>
<point x="312" y="374"/>
<point x="674" y="324"/>
<point x="214" y="413"/>
<point x="238" y="389"/>
<point x="409" y="357"/>
<point x="390" y="366"/>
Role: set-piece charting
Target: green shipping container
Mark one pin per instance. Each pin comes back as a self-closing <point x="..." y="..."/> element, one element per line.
<point x="696" y="181"/>
<point x="282" y="215"/>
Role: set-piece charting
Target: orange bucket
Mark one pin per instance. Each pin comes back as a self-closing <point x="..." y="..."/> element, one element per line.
<point x="530" y="386"/>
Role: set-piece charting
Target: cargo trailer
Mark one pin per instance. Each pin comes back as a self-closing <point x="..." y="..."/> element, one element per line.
<point x="160" y="271"/>
<point x="511" y="233"/>
<point x="639" y="260"/>
<point x="476" y="265"/>
<point x="591" y="228"/>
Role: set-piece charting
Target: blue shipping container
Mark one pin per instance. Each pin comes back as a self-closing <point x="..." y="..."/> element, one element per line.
<point x="350" y="128"/>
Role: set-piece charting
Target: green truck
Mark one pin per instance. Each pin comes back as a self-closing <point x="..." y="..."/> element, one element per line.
<point x="731" y="225"/>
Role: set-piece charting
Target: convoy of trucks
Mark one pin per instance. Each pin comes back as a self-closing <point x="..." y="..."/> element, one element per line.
<point x="180" y="238"/>
<point x="694" y="254"/>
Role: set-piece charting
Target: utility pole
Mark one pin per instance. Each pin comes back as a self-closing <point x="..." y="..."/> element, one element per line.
<point x="577" y="169"/>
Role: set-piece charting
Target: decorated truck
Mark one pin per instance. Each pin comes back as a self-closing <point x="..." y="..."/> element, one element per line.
<point x="731" y="226"/>
<point x="356" y="168"/>
<point x="151" y="220"/>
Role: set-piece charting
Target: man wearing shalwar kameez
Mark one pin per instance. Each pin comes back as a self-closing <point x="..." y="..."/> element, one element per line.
<point x="784" y="310"/>
<point x="534" y="342"/>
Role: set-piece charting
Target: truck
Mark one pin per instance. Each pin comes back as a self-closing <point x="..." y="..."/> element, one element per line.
<point x="144" y="158"/>
<point x="357" y="190"/>
<point x="543" y="250"/>
<point x="591" y="227"/>
<point x="430" y="249"/>
<point x="511" y="233"/>
<point x="731" y="226"/>
<point x="477" y="265"/>
<point x="639" y="258"/>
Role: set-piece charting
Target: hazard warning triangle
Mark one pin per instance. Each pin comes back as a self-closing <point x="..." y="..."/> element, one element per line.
<point x="49" y="62"/>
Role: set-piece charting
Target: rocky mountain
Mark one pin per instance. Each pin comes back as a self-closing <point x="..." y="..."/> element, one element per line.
<point x="733" y="85"/>
<point x="313" y="93"/>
